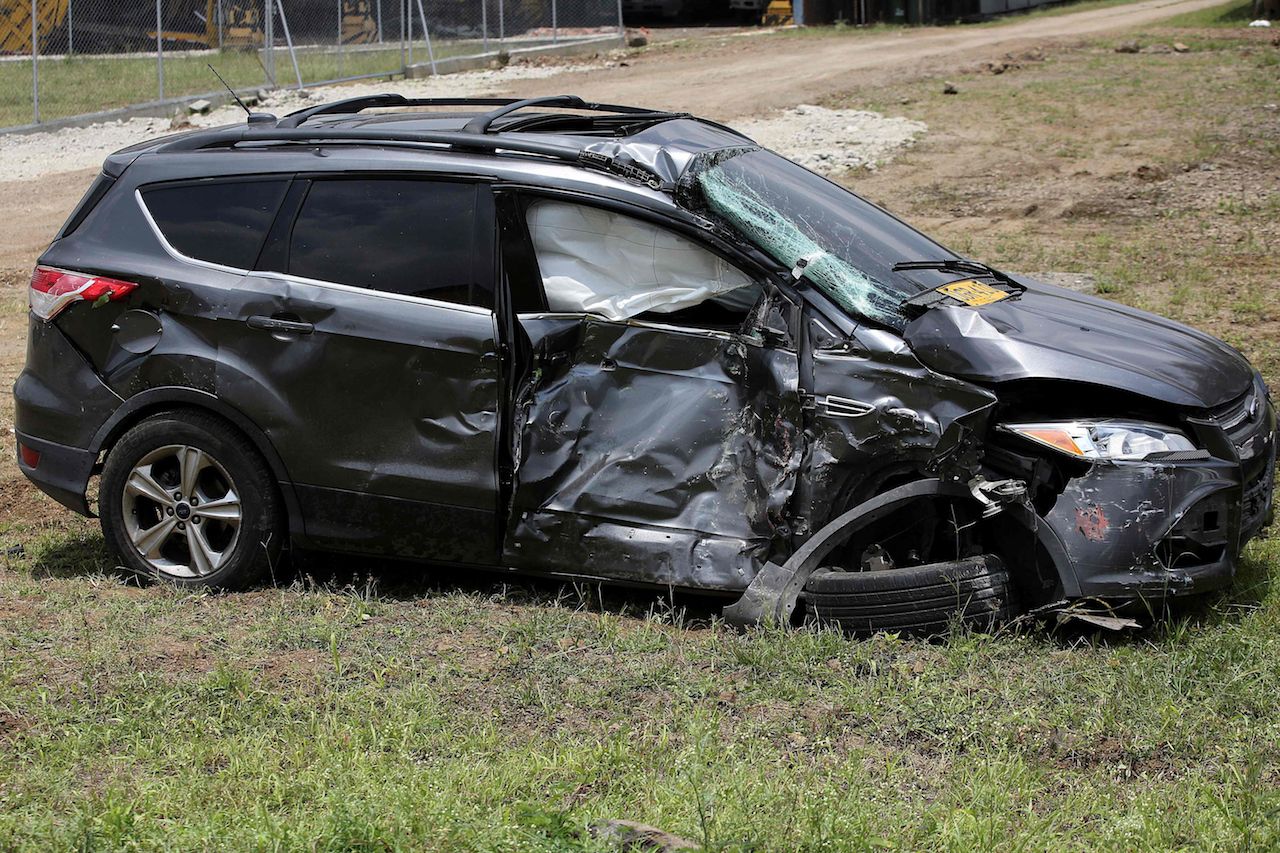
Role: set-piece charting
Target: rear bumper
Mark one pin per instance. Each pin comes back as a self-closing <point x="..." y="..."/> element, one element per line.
<point x="60" y="403"/>
<point x="62" y="472"/>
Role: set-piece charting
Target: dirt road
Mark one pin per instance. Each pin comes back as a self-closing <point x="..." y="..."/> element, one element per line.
<point x="745" y="75"/>
<point x="727" y="77"/>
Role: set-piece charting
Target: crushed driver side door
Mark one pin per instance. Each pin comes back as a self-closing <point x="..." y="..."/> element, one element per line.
<point x="652" y="453"/>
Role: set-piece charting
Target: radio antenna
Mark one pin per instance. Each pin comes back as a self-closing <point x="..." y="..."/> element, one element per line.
<point x="229" y="89"/>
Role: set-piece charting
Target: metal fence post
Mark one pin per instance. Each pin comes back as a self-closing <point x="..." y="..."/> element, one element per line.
<point x="341" y="51"/>
<point x="71" y="29"/>
<point x="221" y="42"/>
<point x="288" y="41"/>
<point x="555" y="29"/>
<point x="159" y="52"/>
<point x="484" y="24"/>
<point x="35" y="63"/>
<point x="379" y="21"/>
<point x="426" y="32"/>
<point x="622" y="29"/>
<point x="269" y="43"/>
<point x="408" y="7"/>
<point x="502" y="23"/>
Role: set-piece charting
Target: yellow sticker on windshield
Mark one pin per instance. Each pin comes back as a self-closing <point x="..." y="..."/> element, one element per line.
<point x="972" y="292"/>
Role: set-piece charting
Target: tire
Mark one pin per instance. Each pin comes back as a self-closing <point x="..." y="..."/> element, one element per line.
<point x="921" y="600"/>
<point x="232" y="507"/>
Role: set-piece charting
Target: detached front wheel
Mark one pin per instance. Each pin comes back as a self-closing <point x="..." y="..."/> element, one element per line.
<point x="975" y="592"/>
<point x="187" y="499"/>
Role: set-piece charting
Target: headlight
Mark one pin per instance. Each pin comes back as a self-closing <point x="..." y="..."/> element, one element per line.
<point x="1105" y="439"/>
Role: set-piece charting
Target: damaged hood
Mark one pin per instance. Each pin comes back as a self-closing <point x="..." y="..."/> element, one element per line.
<point x="1053" y="333"/>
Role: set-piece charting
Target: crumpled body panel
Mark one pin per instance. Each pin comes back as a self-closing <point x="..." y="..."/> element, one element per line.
<point x="654" y="455"/>
<point x="1051" y="333"/>
<point x="882" y="416"/>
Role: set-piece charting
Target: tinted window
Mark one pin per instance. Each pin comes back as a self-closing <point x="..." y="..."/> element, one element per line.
<point x="416" y="238"/>
<point x="224" y="222"/>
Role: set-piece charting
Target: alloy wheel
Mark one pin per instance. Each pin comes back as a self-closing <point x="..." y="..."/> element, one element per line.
<point x="182" y="511"/>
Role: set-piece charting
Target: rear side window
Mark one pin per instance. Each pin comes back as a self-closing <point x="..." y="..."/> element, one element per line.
<point x="223" y="222"/>
<point x="409" y="237"/>
<point x="96" y="191"/>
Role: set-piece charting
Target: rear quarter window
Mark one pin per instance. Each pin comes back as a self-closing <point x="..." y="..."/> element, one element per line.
<point x="222" y="222"/>
<point x="96" y="191"/>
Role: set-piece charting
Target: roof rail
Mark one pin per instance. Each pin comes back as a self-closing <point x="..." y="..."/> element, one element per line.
<point x="388" y="99"/>
<point x="478" y="125"/>
<point x="481" y="124"/>
<point x="242" y="134"/>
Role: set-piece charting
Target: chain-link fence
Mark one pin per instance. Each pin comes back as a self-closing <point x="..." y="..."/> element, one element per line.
<point x="61" y="58"/>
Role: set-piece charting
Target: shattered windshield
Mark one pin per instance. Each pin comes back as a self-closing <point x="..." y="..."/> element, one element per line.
<point x="793" y="215"/>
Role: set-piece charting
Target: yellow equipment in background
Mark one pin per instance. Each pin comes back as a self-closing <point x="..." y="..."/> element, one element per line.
<point x="241" y="26"/>
<point x="200" y="23"/>
<point x="358" y="25"/>
<point x="15" y="22"/>
<point x="242" y="23"/>
<point x="777" y="14"/>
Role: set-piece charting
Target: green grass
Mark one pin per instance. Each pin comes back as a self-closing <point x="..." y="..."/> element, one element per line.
<point x="84" y="84"/>
<point x="1235" y="14"/>
<point x="466" y="718"/>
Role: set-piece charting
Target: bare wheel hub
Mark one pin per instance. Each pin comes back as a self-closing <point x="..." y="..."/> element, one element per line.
<point x="181" y="511"/>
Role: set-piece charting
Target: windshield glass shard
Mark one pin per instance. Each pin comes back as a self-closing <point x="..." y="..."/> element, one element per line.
<point x="850" y="246"/>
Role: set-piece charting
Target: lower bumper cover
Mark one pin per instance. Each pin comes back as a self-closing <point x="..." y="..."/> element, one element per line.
<point x="62" y="472"/>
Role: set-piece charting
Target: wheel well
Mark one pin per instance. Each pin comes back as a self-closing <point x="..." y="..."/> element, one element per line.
<point x="113" y="431"/>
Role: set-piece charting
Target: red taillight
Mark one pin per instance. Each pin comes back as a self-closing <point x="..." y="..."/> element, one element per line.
<point x="30" y="458"/>
<point x="52" y="290"/>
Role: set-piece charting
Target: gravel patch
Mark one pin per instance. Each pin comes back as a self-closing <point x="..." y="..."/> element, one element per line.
<point x="833" y="140"/>
<point x="24" y="156"/>
<point x="821" y="139"/>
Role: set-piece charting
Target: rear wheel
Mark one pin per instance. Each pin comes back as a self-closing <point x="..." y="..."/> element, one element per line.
<point x="187" y="499"/>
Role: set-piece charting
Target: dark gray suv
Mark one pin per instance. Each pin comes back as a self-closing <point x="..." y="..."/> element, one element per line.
<point x="612" y="343"/>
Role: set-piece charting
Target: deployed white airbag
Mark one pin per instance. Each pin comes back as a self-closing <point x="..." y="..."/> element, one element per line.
<point x="614" y="266"/>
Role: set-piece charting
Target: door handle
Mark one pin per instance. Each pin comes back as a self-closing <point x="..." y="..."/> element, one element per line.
<point x="279" y="324"/>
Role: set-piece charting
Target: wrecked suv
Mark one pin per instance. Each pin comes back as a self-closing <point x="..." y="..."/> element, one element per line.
<point x="606" y="342"/>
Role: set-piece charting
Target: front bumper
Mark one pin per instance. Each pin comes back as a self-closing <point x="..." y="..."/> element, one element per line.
<point x="1155" y="530"/>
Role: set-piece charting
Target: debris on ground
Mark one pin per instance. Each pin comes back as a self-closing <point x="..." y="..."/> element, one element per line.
<point x="200" y="107"/>
<point x="830" y="141"/>
<point x="949" y="88"/>
<point x="638" y="37"/>
<point x="1128" y="47"/>
<point x="1010" y="61"/>
<point x="1179" y="47"/>
<point x="641" y="838"/>
<point x="1149" y="173"/>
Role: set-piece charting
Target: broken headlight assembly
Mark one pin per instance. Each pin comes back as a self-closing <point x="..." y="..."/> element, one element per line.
<point x="1105" y="439"/>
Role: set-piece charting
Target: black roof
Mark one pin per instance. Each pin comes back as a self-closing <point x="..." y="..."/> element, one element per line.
<point x="610" y="137"/>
